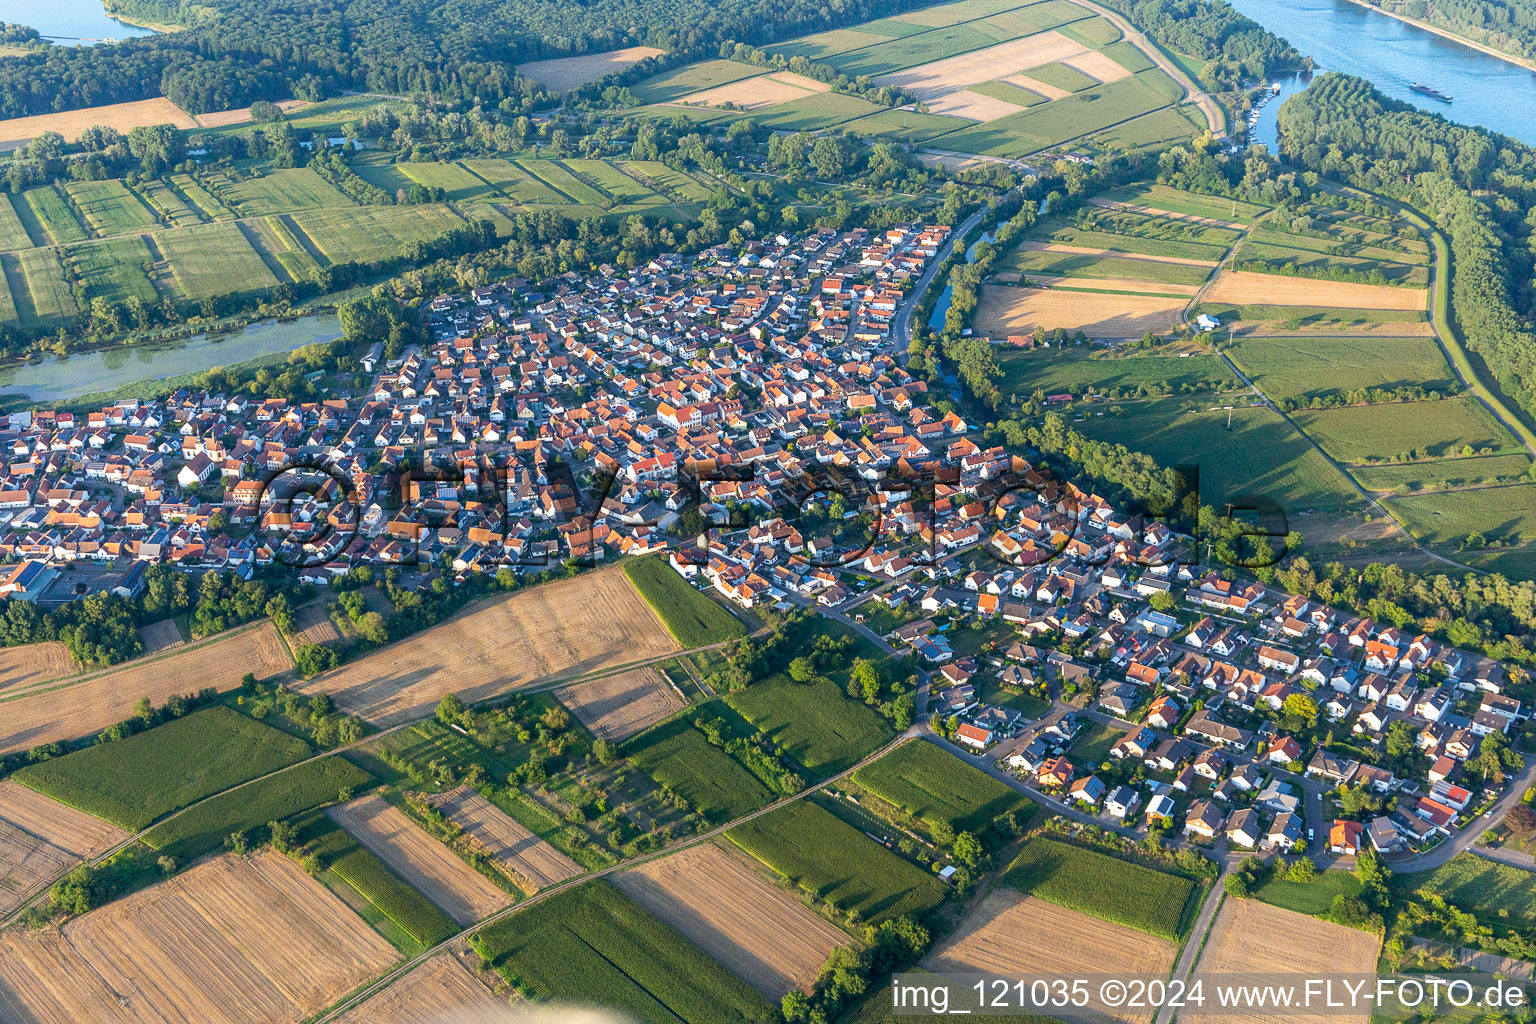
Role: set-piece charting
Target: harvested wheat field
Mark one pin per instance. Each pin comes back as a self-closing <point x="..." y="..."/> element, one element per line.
<point x="34" y="663"/>
<point x="619" y="706"/>
<point x="1004" y="311"/>
<point x="1084" y="250"/>
<point x="440" y="990"/>
<point x="564" y="629"/>
<point x="235" y="940"/>
<point x="757" y="931"/>
<point x="1250" y="937"/>
<point x="27" y="864"/>
<point x="972" y="105"/>
<point x="312" y="625"/>
<point x="161" y="636"/>
<point x="758" y="92"/>
<point x="70" y="123"/>
<point x="1247" y="288"/>
<point x="76" y="833"/>
<point x="1096" y="65"/>
<point x="240" y="115"/>
<point x="1050" y="92"/>
<point x="45" y="714"/>
<point x="941" y="76"/>
<point x="458" y="889"/>
<point x="504" y="838"/>
<point x="569" y="72"/>
<point x="1010" y="933"/>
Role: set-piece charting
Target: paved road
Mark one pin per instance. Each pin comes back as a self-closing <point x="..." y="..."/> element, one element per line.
<point x="901" y="331"/>
<point x="1464" y="839"/>
<point x="1193" y="945"/>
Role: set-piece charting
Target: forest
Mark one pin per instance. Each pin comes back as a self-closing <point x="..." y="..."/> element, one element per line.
<point x="235" y="51"/>
<point x="1234" y="47"/>
<point x="1507" y="25"/>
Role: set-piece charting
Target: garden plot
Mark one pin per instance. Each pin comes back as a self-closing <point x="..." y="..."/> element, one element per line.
<point x="461" y="892"/>
<point x="755" y="930"/>
<point x="619" y="706"/>
<point x="506" y="840"/>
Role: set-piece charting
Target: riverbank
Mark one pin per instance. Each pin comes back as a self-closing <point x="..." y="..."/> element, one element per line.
<point x="1518" y="61"/>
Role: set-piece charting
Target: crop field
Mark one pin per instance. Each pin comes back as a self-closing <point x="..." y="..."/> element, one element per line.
<point x="947" y="14"/>
<point x="679" y="757"/>
<point x="1011" y="933"/>
<point x="1061" y="77"/>
<point x="13" y="234"/>
<point x="593" y="944"/>
<point x="755" y="93"/>
<point x="1292" y="943"/>
<point x="278" y="244"/>
<point x="663" y="178"/>
<point x="76" y="833"/>
<point x="29" y="664"/>
<point x="948" y="74"/>
<point x="1070" y="117"/>
<point x="458" y="889"/>
<point x="365" y="234"/>
<point x="755" y="930"/>
<point x="202" y="200"/>
<point x="458" y="182"/>
<point x="556" y="176"/>
<point x="1100" y="66"/>
<point x="1102" y="886"/>
<point x="624" y="189"/>
<point x="1371" y="433"/>
<point x="891" y="55"/>
<point x="1278" y="259"/>
<point x="235" y="940"/>
<point x="835" y="862"/>
<point x="302" y="788"/>
<point x="566" y="73"/>
<point x="133" y="781"/>
<point x="1431" y="474"/>
<point x="71" y="123"/>
<point x="692" y="618"/>
<point x="54" y="215"/>
<point x="423" y="994"/>
<point x="1097" y="271"/>
<point x="46" y="714"/>
<point x="815" y="723"/>
<point x="586" y="624"/>
<point x="27" y="864"/>
<point x="160" y="636"/>
<point x="214" y="259"/>
<point x="1166" y="125"/>
<point x="935" y="786"/>
<point x="1006" y="310"/>
<point x="905" y="125"/>
<point x="619" y="706"/>
<point x="241" y="115"/>
<point x="1303" y="368"/>
<point x="820" y="110"/>
<point x="1069" y="371"/>
<point x="1246" y="288"/>
<point x="1473" y="882"/>
<point x="670" y="86"/>
<point x="313" y="625"/>
<point x="282" y="191"/>
<point x="1166" y="199"/>
<point x="113" y="268"/>
<point x="515" y="183"/>
<point x="506" y="840"/>
<point x="109" y="208"/>
<point x="1261" y="454"/>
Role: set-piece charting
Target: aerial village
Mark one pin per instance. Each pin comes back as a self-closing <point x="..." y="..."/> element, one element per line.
<point x="750" y="412"/>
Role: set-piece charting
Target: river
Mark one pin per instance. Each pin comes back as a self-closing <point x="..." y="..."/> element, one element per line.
<point x="1343" y="36"/>
<point x="69" y="22"/>
<point x="54" y="379"/>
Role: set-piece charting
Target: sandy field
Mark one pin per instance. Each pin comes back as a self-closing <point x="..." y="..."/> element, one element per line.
<point x="462" y="892"/>
<point x="617" y="707"/>
<point x="1248" y="288"/>
<point x="1011" y="933"/>
<point x="161" y="636"/>
<point x="1086" y="250"/>
<point x="759" y="92"/>
<point x="1005" y="310"/>
<point x="973" y="105"/>
<point x="757" y="931"/>
<point x="1119" y="284"/>
<point x="1254" y="937"/>
<point x="569" y="72"/>
<point x="1050" y="92"/>
<point x="557" y="630"/>
<point x="70" y="123"/>
<point x="506" y="840"/>
<point x="1096" y="65"/>
<point x="941" y="76"/>
<point x="240" y="115"/>
<point x="71" y="710"/>
<point x="440" y="990"/>
<point x="233" y="941"/>
<point x="75" y="832"/>
<point x="34" y="663"/>
<point x="313" y="625"/>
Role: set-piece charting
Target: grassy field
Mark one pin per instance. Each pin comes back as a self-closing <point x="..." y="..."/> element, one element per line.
<point x="1191" y="204"/>
<point x="1302" y="368"/>
<point x="303" y="788"/>
<point x="113" y="268"/>
<point x="109" y="208"/>
<point x="680" y="186"/>
<point x="817" y="111"/>
<point x="54" y="216"/>
<point x="1090" y="238"/>
<point x="1377" y="432"/>
<point x="214" y="259"/>
<point x="133" y="781"/>
<point x="692" y="618"/>
<point x="13" y="234"/>
<point x="280" y="245"/>
<point x="515" y="183"/>
<point x="170" y="207"/>
<point x="814" y="723"/>
<point x="555" y="176"/>
<point x="1068" y="118"/>
<point x="1071" y="370"/>
<point x="620" y="187"/>
<point x="1102" y="886"/>
<point x="200" y="198"/>
<point x="678" y="756"/>
<point x="593" y="944"/>
<point x="1314" y="897"/>
<point x="1089" y="267"/>
<point x="835" y="862"/>
<point x="1432" y="474"/>
<point x="1498" y="513"/>
<point x="1476" y="884"/>
<point x="363" y="234"/>
<point x="1306" y="262"/>
<point x="906" y="125"/>
<point x="935" y="786"/>
<point x="282" y="191"/>
<point x="37" y="283"/>
<point x="679" y="82"/>
<point x="1161" y="126"/>
<point x="1062" y="76"/>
